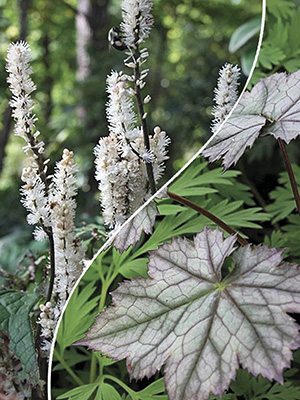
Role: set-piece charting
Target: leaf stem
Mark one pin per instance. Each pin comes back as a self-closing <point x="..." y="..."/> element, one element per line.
<point x="290" y="172"/>
<point x="42" y="361"/>
<point x="209" y="215"/>
<point x="75" y="378"/>
<point x="93" y="368"/>
<point x="104" y="288"/>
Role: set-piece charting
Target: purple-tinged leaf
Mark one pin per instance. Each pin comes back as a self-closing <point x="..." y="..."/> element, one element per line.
<point x="131" y="233"/>
<point x="199" y="324"/>
<point x="272" y="107"/>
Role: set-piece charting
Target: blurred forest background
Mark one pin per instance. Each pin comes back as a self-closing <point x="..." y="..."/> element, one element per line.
<point x="188" y="45"/>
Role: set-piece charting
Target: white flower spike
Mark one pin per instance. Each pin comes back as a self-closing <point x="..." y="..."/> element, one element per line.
<point x="226" y="93"/>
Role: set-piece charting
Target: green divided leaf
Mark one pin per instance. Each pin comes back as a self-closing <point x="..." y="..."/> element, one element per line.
<point x="283" y="201"/>
<point x="270" y="56"/>
<point x="71" y="358"/>
<point x="155" y="388"/>
<point x="83" y="392"/>
<point x="190" y="222"/>
<point x="99" y="391"/>
<point x="198" y="180"/>
<point x="107" y="392"/>
<point x="260" y="388"/>
<point x="78" y="317"/>
<point x="291" y="235"/>
<point x="280" y="8"/>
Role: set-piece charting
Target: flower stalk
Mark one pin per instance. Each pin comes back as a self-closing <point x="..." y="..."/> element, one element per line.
<point x="136" y="26"/>
<point x="142" y="114"/>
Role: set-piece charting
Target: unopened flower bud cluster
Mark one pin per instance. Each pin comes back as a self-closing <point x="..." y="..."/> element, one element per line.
<point x="68" y="250"/>
<point x="47" y="320"/>
<point x="226" y="93"/>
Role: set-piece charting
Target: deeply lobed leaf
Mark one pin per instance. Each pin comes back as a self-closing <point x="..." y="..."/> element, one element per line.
<point x="131" y="233"/>
<point x="272" y="107"/>
<point x="199" y="323"/>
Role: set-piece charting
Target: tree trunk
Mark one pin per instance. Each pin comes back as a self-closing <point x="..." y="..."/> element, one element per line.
<point x="48" y="79"/>
<point x="83" y="39"/>
<point x="91" y="43"/>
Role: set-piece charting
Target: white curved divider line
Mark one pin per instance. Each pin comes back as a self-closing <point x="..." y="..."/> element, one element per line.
<point x="164" y="187"/>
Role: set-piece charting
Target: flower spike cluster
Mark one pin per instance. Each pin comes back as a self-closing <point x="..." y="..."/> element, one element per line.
<point x="50" y="201"/>
<point x="121" y="157"/>
<point x="226" y="93"/>
<point x="69" y="253"/>
<point x="21" y="85"/>
<point x="34" y="190"/>
<point x="130" y="161"/>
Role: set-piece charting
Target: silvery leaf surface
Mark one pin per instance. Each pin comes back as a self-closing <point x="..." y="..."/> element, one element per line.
<point x="283" y="105"/>
<point x="200" y="325"/>
<point x="131" y="233"/>
<point x="272" y="107"/>
<point x="238" y="133"/>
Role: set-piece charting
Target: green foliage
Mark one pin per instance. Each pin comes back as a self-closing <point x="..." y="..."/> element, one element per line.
<point x="83" y="392"/>
<point x="283" y="201"/>
<point x="280" y="8"/>
<point x="190" y="36"/>
<point x="105" y="391"/>
<point x="280" y="48"/>
<point x="291" y="236"/>
<point x="244" y="33"/>
<point x="252" y="388"/>
<point x="244" y="41"/>
<point x="224" y="194"/>
<point x="83" y="306"/>
<point x="227" y="195"/>
<point x="15" y="309"/>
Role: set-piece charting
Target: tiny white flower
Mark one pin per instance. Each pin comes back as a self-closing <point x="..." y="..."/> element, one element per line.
<point x="34" y="197"/>
<point x="159" y="145"/>
<point x="21" y="85"/>
<point x="120" y="107"/>
<point x="137" y="21"/>
<point x="148" y="156"/>
<point x="39" y="234"/>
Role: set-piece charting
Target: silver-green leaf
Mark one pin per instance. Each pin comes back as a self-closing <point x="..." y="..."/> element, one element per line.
<point x="272" y="107"/>
<point x="132" y="231"/>
<point x="201" y="322"/>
